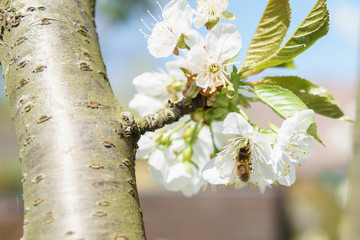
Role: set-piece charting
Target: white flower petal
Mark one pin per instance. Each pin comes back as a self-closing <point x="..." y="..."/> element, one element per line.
<point x="300" y="121"/>
<point x="293" y="137"/>
<point x="300" y="148"/>
<point x="174" y="70"/>
<point x="200" y="20"/>
<point x="284" y="170"/>
<point x="196" y="39"/>
<point x="203" y="80"/>
<point x="260" y="182"/>
<point x="162" y="41"/>
<point x="226" y="159"/>
<point x="261" y="149"/>
<point x="152" y="84"/>
<point x="179" y="15"/>
<point x="145" y="105"/>
<point x="209" y="10"/>
<point x="223" y="42"/>
<point x="197" y="58"/>
<point x="211" y="174"/>
<point x="234" y="123"/>
<point x="178" y="177"/>
<point x="146" y="145"/>
<point x="177" y="19"/>
<point x="202" y="148"/>
<point x="197" y="183"/>
<point x="159" y="166"/>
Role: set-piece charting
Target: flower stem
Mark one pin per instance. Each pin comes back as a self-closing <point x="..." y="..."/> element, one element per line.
<point x="238" y="110"/>
<point x="177" y="129"/>
<point x="213" y="140"/>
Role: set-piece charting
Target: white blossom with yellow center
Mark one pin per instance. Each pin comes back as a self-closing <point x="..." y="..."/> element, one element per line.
<point x="223" y="168"/>
<point x="211" y="61"/>
<point x="176" y="19"/>
<point x="293" y="146"/>
<point x="209" y="10"/>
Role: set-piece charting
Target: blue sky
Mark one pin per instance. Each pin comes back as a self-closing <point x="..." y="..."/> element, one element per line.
<point x="335" y="57"/>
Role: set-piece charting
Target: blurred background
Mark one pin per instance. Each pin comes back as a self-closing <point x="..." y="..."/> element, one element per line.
<point x="309" y="210"/>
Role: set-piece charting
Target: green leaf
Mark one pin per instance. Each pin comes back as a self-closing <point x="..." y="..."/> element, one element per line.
<point x="312" y="130"/>
<point x="289" y="64"/>
<point x="273" y="127"/>
<point x="314" y="26"/>
<point x="268" y="35"/>
<point x="285" y="103"/>
<point x="315" y="97"/>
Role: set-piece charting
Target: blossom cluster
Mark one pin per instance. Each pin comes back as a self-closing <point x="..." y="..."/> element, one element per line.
<point x="185" y="156"/>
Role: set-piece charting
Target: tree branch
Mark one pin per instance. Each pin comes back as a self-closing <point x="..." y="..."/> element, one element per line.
<point x="171" y="113"/>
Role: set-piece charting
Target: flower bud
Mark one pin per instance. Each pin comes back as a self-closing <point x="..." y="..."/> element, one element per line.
<point x="216" y="114"/>
<point x="221" y="101"/>
<point x="191" y="90"/>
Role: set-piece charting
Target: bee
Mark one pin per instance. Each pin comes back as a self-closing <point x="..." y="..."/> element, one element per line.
<point x="243" y="162"/>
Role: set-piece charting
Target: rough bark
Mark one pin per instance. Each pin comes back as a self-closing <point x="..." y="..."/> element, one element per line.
<point x="76" y="146"/>
<point x="171" y="113"/>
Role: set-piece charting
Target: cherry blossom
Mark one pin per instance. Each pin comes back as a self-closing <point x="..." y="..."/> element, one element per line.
<point x="175" y="164"/>
<point x="176" y="20"/>
<point x="209" y="11"/>
<point x="293" y="146"/>
<point x="211" y="61"/>
<point x="223" y="168"/>
<point x="154" y="89"/>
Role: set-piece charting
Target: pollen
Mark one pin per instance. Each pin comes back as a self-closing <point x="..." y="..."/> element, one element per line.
<point x="285" y="174"/>
<point x="284" y="169"/>
<point x="299" y="164"/>
<point x="285" y="163"/>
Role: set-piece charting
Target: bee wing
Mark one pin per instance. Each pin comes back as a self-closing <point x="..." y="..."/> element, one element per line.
<point x="234" y="173"/>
